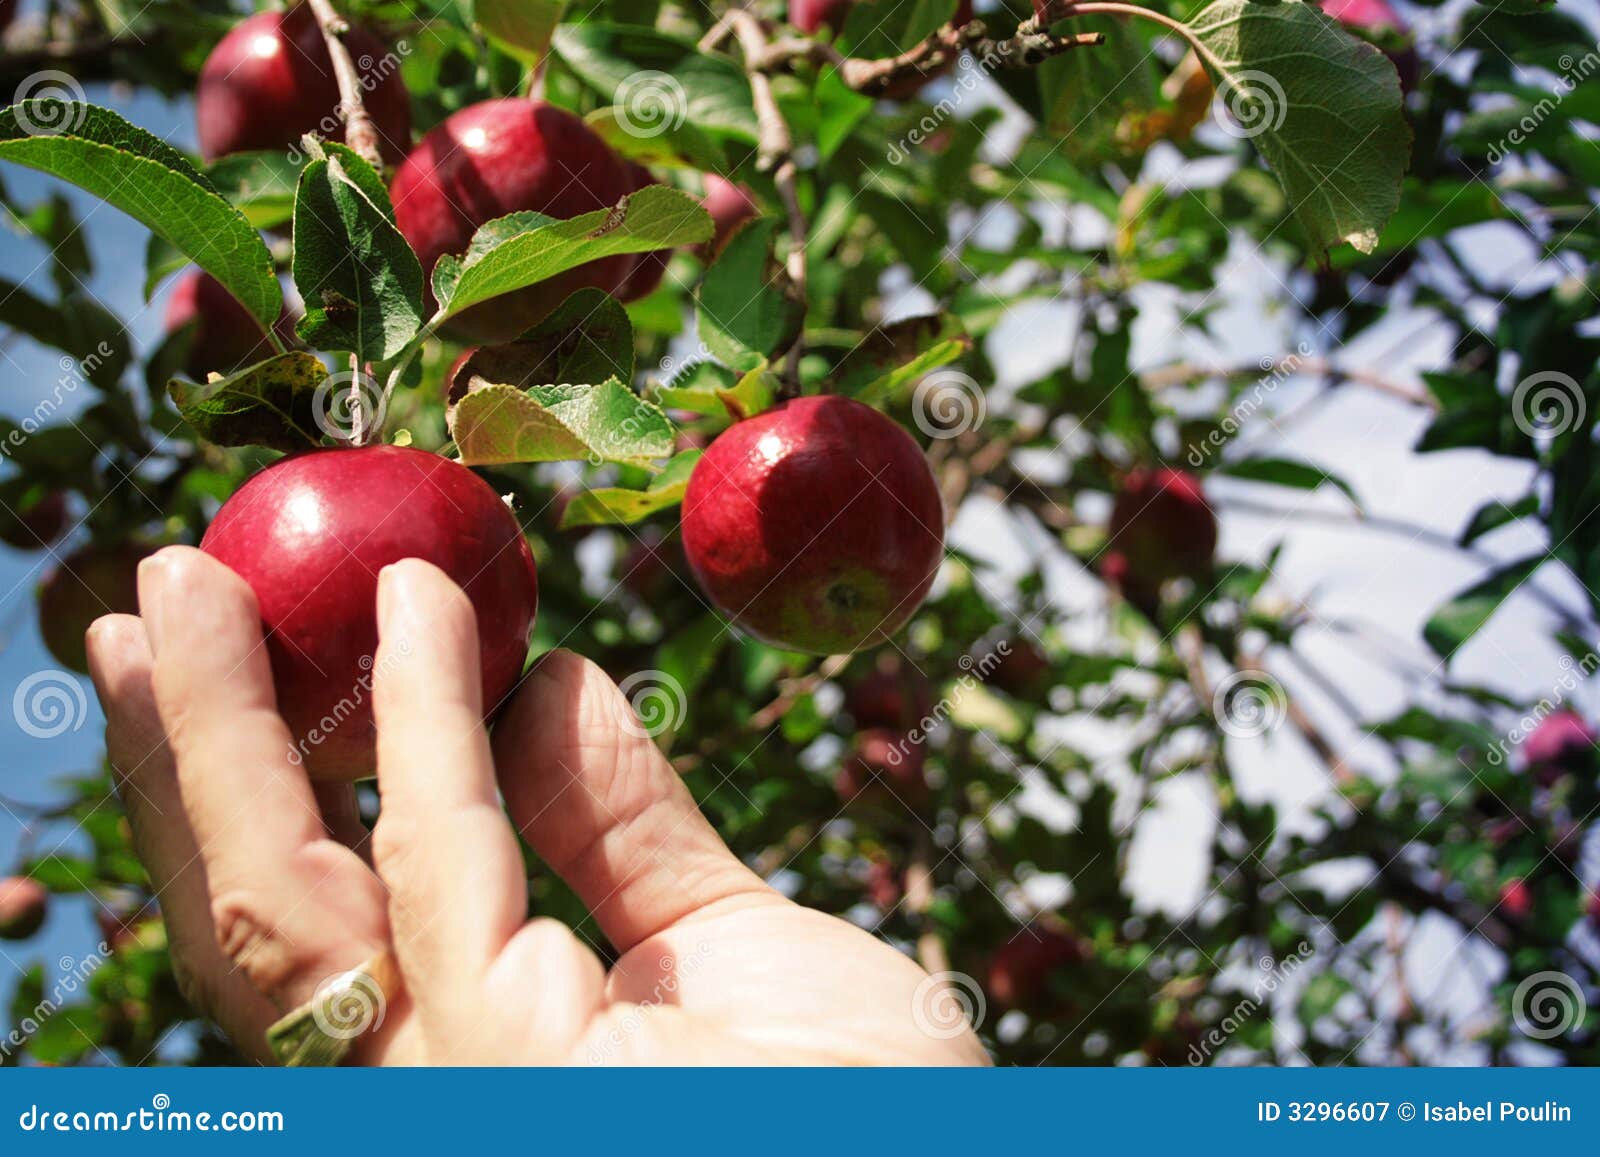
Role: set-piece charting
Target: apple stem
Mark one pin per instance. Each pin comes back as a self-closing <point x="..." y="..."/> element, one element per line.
<point x="359" y="131"/>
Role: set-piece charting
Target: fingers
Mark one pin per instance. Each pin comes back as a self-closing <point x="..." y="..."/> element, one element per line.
<point x="600" y="803"/>
<point x="457" y="883"/>
<point x="120" y="664"/>
<point x="290" y="906"/>
<point x="213" y="684"/>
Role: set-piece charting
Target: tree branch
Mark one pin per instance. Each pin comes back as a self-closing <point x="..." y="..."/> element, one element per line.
<point x="359" y="131"/>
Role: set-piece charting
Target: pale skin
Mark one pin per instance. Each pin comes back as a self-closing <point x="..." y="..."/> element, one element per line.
<point x="270" y="884"/>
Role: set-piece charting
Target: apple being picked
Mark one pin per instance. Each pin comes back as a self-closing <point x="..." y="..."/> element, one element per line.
<point x="270" y="80"/>
<point x="506" y="156"/>
<point x="816" y="526"/>
<point x="310" y="534"/>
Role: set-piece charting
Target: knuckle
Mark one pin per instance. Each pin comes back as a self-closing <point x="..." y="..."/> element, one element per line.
<point x="249" y="937"/>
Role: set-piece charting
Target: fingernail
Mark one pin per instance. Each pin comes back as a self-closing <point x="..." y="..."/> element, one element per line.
<point x="152" y="595"/>
<point x="394" y="598"/>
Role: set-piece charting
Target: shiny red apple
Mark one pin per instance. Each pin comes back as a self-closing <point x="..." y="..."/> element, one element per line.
<point x="1161" y="528"/>
<point x="310" y="534"/>
<point x="270" y="80"/>
<point x="92" y="581"/>
<point x="24" y="903"/>
<point x="506" y="156"/>
<point x="816" y="526"/>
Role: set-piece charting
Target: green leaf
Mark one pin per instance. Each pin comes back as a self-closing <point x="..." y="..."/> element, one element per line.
<point x="699" y="388"/>
<point x="1494" y="514"/>
<point x="78" y="326"/>
<point x="890" y="27"/>
<point x="746" y="313"/>
<point x="601" y="423"/>
<point x="153" y="183"/>
<point x="526" y="248"/>
<point x="272" y="403"/>
<point x="521" y="28"/>
<point x="1460" y="618"/>
<point x="161" y="260"/>
<point x="753" y="393"/>
<point x="587" y="339"/>
<point x="1089" y="94"/>
<point x="360" y="280"/>
<point x="261" y="185"/>
<point x="1286" y="472"/>
<point x="892" y="356"/>
<point x="613" y="506"/>
<point x="663" y="80"/>
<point x="1322" y="106"/>
<point x="681" y="144"/>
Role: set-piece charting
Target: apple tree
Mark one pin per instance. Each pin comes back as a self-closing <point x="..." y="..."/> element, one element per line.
<point x="876" y="384"/>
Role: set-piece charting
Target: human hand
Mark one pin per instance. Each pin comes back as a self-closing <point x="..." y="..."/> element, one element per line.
<point x="270" y="884"/>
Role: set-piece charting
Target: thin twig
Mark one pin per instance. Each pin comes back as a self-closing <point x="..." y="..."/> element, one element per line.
<point x="359" y="131"/>
<point x="774" y="152"/>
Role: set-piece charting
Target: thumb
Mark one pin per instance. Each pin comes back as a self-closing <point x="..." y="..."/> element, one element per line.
<point x="603" y="807"/>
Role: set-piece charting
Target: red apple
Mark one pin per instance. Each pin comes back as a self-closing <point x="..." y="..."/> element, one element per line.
<point x="1020" y="970"/>
<point x="893" y="694"/>
<point x="1516" y="901"/>
<point x="810" y="15"/>
<point x="1563" y="743"/>
<point x="884" y="768"/>
<point x="36" y="525"/>
<point x="93" y="581"/>
<point x="816" y="526"/>
<point x="310" y="534"/>
<point x="24" y="903"/>
<point x="1378" y="21"/>
<point x="270" y="80"/>
<point x="1022" y="669"/>
<point x="506" y="156"/>
<point x="226" y="334"/>
<point x="730" y="206"/>
<point x="1161" y="527"/>
<point x="648" y="268"/>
